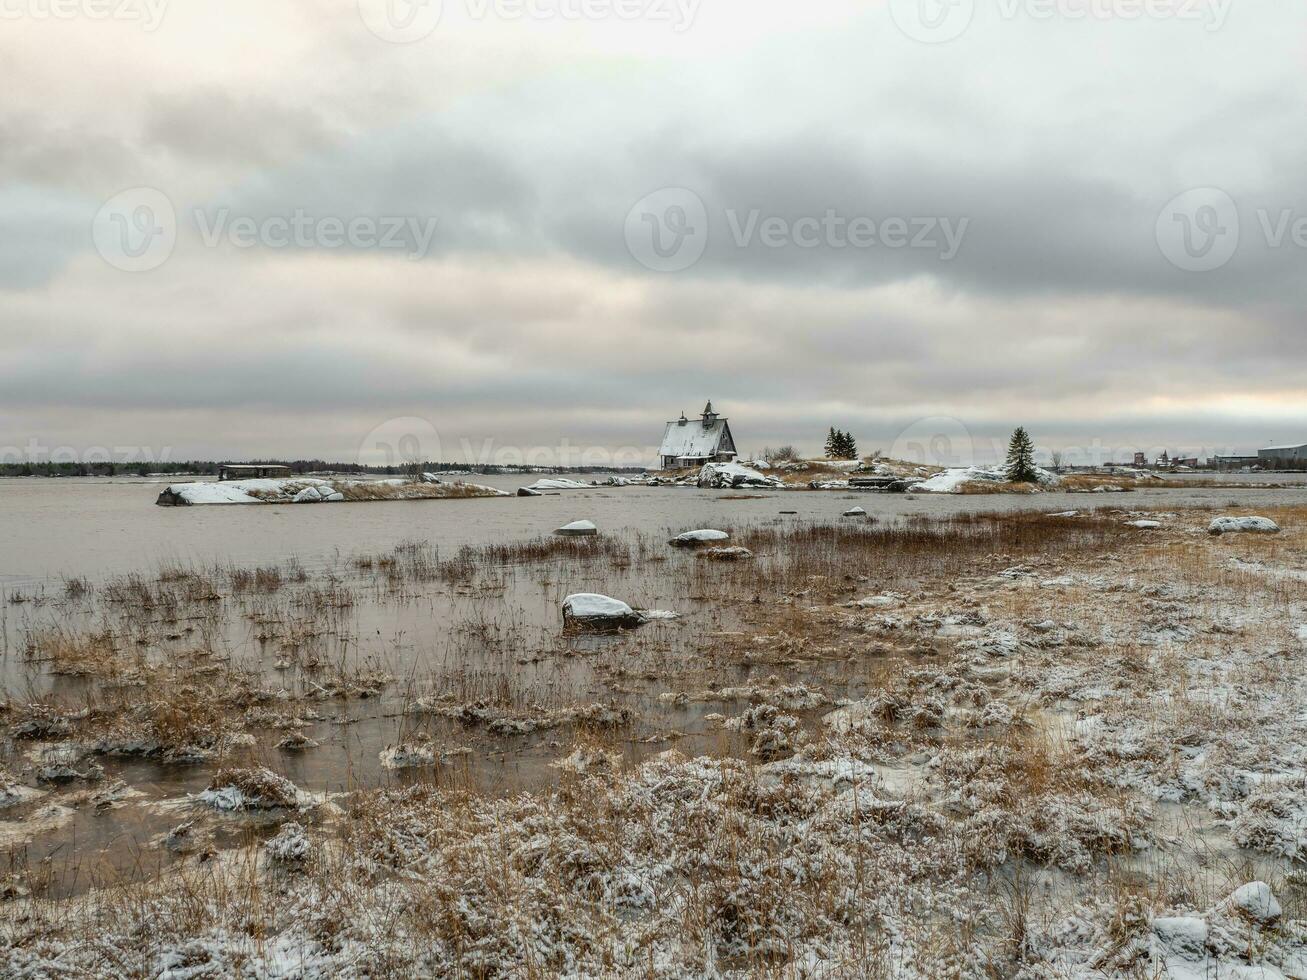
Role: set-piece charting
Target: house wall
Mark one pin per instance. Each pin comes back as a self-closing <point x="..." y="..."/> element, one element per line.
<point x="1294" y="454"/>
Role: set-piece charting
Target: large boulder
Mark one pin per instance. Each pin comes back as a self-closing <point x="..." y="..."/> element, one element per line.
<point x="1246" y="525"/>
<point x="717" y="476"/>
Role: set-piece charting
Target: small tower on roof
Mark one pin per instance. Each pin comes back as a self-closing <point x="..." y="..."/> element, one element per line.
<point x="709" y="416"/>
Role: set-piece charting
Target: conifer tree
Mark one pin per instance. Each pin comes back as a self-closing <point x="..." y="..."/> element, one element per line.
<point x="848" y="446"/>
<point x="1021" y="458"/>
<point x="832" y="443"/>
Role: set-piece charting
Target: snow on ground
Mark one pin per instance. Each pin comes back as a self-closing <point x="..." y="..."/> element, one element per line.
<point x="306" y="490"/>
<point x="558" y="484"/>
<point x="954" y="479"/>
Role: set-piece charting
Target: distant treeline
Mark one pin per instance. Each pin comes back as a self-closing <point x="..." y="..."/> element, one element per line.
<point x="298" y="467"/>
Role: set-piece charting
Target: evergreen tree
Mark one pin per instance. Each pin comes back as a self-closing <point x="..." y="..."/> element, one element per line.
<point x="832" y="444"/>
<point x="849" y="446"/>
<point x="1021" y="458"/>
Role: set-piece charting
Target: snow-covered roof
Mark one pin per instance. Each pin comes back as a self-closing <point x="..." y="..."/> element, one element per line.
<point x="1280" y="449"/>
<point x="692" y="439"/>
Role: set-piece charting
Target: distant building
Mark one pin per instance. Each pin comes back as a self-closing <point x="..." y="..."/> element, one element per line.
<point x="1234" y="462"/>
<point x="693" y="443"/>
<point x="250" y="471"/>
<point x="1141" y="460"/>
<point x="1283" y="457"/>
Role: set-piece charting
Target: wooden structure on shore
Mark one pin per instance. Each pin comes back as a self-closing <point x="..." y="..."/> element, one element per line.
<point x="252" y="471"/>
<point x="687" y="443"/>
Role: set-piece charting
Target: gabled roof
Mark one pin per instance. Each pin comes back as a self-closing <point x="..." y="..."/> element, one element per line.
<point x="1274" y="449"/>
<point x="693" y="439"/>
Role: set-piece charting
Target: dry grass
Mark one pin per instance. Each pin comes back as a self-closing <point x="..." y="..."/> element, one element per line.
<point x="712" y="864"/>
<point x="412" y="491"/>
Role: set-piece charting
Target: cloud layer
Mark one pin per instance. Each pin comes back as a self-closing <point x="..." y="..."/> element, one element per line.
<point x="1015" y="188"/>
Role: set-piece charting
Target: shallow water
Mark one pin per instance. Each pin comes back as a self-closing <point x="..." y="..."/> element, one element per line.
<point x="499" y="636"/>
<point x="74" y="527"/>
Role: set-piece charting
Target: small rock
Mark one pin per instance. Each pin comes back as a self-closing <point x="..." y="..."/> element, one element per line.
<point x="290" y="846"/>
<point x="1254" y="901"/>
<point x="590" y="610"/>
<point x="855" y="512"/>
<point x="528" y="492"/>
<point x="296" y="742"/>
<point x="578" y="529"/>
<point x="726" y="554"/>
<point x="695" y="539"/>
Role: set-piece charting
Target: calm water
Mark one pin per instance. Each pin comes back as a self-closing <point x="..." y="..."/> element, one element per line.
<point x="51" y="528"/>
<point x="500" y="637"/>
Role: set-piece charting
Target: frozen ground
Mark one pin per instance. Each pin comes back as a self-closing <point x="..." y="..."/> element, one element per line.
<point x="1019" y="746"/>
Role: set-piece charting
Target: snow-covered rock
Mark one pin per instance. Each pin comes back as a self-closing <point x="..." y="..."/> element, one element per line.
<point x="952" y="480"/>
<point x="730" y="475"/>
<point x="407" y="755"/>
<point x="291" y="845"/>
<point x="1254" y="901"/>
<point x="1253" y="525"/>
<point x="559" y="484"/>
<point x="695" y="539"/>
<point x="319" y="494"/>
<point x="589" y="609"/>
<point x="304" y="490"/>
<point x="528" y="492"/>
<point x="1144" y="525"/>
<point x="577" y="529"/>
<point x="855" y="512"/>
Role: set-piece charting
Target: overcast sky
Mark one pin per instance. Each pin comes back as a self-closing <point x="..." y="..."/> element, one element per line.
<point x="243" y="229"/>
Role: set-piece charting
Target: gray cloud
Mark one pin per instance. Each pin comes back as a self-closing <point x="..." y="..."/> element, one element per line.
<point x="530" y="319"/>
